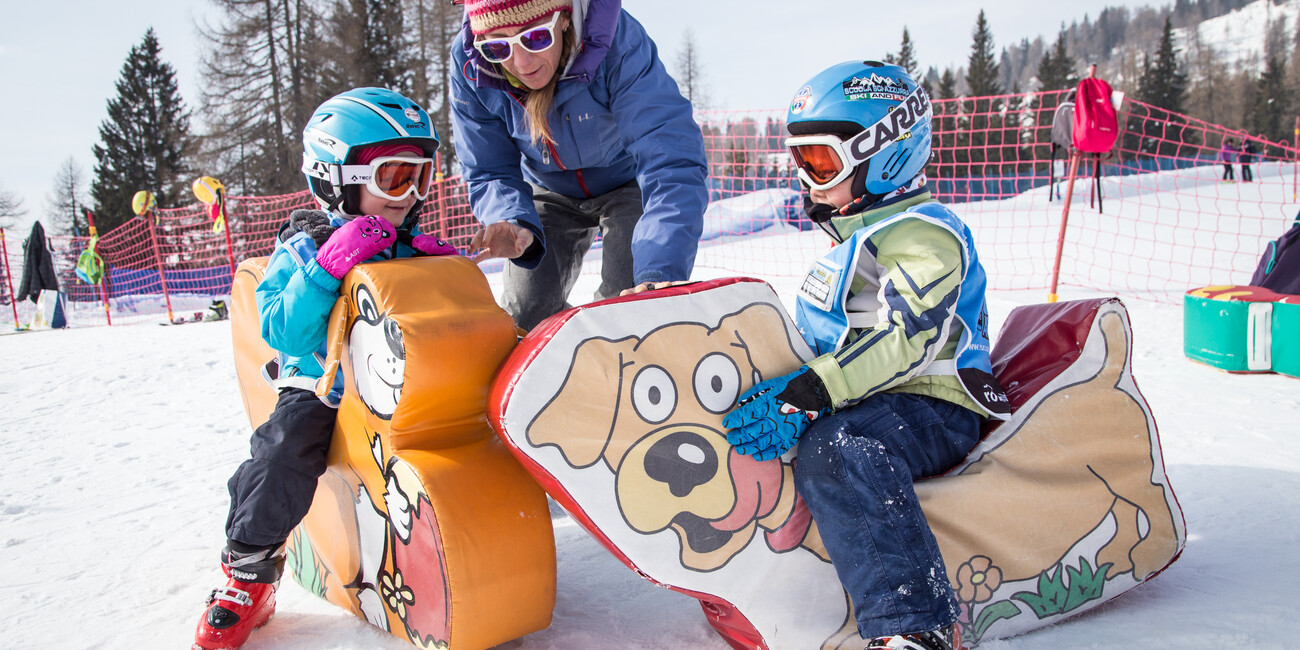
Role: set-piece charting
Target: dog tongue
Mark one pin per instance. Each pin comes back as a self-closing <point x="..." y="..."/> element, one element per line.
<point x="792" y="532"/>
<point x="758" y="486"/>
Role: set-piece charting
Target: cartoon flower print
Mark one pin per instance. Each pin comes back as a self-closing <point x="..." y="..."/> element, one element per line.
<point x="396" y="593"/>
<point x="977" y="579"/>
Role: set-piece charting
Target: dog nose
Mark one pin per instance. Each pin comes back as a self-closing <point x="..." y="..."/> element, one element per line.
<point x="683" y="460"/>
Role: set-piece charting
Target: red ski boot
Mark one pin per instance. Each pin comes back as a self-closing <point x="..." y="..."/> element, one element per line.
<point x="245" y="603"/>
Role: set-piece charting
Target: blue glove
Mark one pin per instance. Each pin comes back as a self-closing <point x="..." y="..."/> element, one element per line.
<point x="770" y="417"/>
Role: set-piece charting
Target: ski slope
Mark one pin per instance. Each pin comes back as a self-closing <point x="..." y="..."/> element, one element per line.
<point x="118" y="441"/>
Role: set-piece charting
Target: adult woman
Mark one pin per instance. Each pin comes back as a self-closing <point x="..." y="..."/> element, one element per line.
<point x="566" y="125"/>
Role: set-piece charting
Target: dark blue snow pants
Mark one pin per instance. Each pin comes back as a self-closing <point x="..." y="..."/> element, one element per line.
<point x="271" y="491"/>
<point x="855" y="470"/>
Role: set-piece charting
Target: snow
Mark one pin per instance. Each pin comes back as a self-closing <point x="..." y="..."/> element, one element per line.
<point x="118" y="442"/>
<point x="1238" y="36"/>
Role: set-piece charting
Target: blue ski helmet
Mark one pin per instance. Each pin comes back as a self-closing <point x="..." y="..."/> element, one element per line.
<point x="346" y="123"/>
<point x="858" y="101"/>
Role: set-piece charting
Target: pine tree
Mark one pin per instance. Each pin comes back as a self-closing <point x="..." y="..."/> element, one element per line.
<point x="66" y="204"/>
<point x="385" y="51"/>
<point x="11" y="207"/>
<point x="690" y="74"/>
<point x="947" y="85"/>
<point x="982" y="70"/>
<point x="906" y="57"/>
<point x="1266" y="115"/>
<point x="263" y="73"/>
<point x="1056" y="70"/>
<point x="1163" y="82"/>
<point x="145" y="138"/>
<point x="433" y="26"/>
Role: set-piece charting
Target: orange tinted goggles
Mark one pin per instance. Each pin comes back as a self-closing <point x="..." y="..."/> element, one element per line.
<point x="821" y="162"/>
<point x="393" y="177"/>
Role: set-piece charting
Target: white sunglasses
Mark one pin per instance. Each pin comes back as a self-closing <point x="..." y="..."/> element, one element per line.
<point x="535" y="40"/>
<point x="824" y="161"/>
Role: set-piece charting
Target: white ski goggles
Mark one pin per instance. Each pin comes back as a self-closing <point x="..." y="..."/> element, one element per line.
<point x="825" y="160"/>
<point x="387" y="177"/>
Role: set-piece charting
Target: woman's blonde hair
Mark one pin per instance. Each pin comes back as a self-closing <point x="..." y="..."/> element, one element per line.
<point x="538" y="103"/>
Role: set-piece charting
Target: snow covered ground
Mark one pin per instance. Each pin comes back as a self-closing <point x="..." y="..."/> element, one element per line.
<point x="118" y="441"/>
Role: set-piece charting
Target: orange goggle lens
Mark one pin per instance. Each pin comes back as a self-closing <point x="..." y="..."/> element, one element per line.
<point x="396" y="178"/>
<point x="820" y="161"/>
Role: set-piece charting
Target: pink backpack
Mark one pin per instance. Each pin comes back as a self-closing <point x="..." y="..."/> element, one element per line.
<point x="1095" y="125"/>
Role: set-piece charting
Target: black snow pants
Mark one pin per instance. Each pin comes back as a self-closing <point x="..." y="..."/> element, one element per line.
<point x="272" y="491"/>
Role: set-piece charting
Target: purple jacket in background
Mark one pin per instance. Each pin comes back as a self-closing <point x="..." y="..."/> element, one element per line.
<point x="1279" y="268"/>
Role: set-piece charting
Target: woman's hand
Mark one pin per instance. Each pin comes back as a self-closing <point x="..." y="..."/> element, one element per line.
<point x="501" y="239"/>
<point x="651" y="286"/>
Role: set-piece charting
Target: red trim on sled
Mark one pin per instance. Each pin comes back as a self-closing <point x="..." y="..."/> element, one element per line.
<point x="738" y="632"/>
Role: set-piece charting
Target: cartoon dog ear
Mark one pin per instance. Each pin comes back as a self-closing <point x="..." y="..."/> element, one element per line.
<point x="335" y="335"/>
<point x="761" y="331"/>
<point x="579" y="419"/>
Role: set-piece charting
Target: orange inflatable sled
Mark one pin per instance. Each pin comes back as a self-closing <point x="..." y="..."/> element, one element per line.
<point x="423" y="523"/>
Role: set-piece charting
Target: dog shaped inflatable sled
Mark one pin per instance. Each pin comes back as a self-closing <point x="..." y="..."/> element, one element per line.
<point x="616" y="409"/>
<point x="423" y="523"/>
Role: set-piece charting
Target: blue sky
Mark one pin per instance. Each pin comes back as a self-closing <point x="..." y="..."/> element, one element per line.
<point x="59" y="62"/>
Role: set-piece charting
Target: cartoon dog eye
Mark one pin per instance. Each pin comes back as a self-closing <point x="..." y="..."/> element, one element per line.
<point x="393" y="336"/>
<point x="366" y="308"/>
<point x="717" y="382"/>
<point x="654" y="396"/>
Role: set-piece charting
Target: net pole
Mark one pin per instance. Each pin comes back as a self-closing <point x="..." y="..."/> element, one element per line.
<point x="162" y="275"/>
<point x="13" y="300"/>
<point x="1065" y="217"/>
<point x="103" y="279"/>
<point x="225" y="219"/>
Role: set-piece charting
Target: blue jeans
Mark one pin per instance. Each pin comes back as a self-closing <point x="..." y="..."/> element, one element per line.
<point x="855" y="470"/>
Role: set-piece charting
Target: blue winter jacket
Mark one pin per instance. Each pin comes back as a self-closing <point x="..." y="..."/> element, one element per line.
<point x="294" y="301"/>
<point x="618" y="117"/>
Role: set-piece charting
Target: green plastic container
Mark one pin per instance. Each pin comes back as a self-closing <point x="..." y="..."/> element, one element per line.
<point x="1229" y="335"/>
<point x="1286" y="338"/>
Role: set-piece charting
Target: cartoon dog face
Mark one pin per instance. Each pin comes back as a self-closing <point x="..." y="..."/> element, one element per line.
<point x="651" y="409"/>
<point x="377" y="354"/>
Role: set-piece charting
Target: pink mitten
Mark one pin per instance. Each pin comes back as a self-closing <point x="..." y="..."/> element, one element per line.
<point x="353" y="243"/>
<point x="430" y="245"/>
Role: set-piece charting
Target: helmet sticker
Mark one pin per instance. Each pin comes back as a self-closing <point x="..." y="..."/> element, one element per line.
<point x="801" y="100"/>
<point x="896" y="125"/>
<point x="874" y="87"/>
<point x="412" y="114"/>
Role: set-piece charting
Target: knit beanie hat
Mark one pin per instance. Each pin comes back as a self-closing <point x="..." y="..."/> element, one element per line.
<point x="369" y="153"/>
<point x="490" y="15"/>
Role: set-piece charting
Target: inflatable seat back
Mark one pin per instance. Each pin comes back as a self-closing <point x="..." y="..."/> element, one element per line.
<point x="423" y="523"/>
<point x="616" y="407"/>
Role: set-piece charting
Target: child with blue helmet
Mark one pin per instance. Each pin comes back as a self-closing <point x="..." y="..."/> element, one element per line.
<point x="903" y="382"/>
<point x="368" y="158"/>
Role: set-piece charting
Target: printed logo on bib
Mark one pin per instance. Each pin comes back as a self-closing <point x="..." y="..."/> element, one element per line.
<point x="874" y="87"/>
<point x="820" y="281"/>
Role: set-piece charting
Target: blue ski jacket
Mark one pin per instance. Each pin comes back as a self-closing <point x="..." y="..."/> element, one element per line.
<point x="618" y="117"/>
<point x="294" y="301"/>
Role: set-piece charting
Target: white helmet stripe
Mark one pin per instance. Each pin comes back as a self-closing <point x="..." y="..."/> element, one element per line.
<point x="391" y="122"/>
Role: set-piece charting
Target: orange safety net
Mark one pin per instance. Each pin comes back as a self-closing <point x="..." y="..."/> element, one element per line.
<point x="1158" y="219"/>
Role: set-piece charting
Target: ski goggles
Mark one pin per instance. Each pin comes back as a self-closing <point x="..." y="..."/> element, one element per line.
<point x="824" y="160"/>
<point x="535" y="40"/>
<point x="392" y="177"/>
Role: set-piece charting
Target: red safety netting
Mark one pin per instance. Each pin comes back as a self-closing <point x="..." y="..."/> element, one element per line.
<point x="1159" y="220"/>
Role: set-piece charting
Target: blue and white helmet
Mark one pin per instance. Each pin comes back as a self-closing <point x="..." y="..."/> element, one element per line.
<point x="346" y="123"/>
<point x="881" y="114"/>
